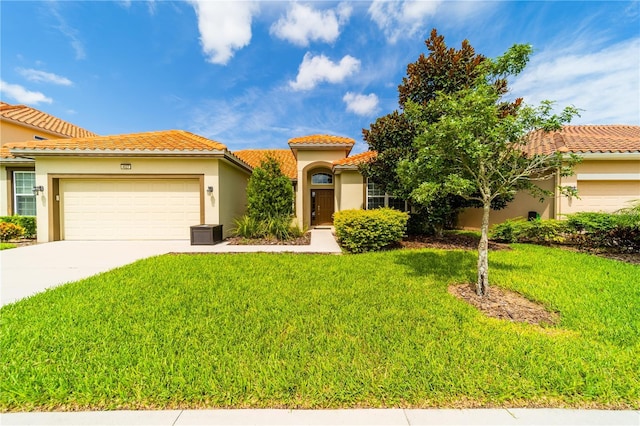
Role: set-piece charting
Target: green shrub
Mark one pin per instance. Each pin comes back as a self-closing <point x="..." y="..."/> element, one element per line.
<point x="27" y="222"/>
<point x="544" y="231"/>
<point x="10" y="231"/>
<point x="269" y="192"/>
<point x="619" y="231"/>
<point x="508" y="231"/>
<point x="248" y="227"/>
<point x="280" y="228"/>
<point x="591" y="221"/>
<point x="536" y="231"/>
<point x="359" y="231"/>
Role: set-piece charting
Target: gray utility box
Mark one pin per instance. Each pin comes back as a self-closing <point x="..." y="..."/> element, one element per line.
<point x="206" y="235"/>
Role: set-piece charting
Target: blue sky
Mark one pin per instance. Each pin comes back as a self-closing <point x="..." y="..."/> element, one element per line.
<point x="255" y="74"/>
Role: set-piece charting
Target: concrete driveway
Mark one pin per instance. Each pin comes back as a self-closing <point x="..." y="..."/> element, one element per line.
<point x="32" y="269"/>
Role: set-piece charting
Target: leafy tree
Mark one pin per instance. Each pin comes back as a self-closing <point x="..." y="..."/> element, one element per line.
<point x="478" y="147"/>
<point x="446" y="70"/>
<point x="269" y="192"/>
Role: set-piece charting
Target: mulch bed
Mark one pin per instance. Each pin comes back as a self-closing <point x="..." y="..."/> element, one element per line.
<point x="304" y="240"/>
<point x="448" y="242"/>
<point x="505" y="304"/>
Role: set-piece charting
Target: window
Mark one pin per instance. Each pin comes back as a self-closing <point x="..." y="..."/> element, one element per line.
<point x="322" y="179"/>
<point x="377" y="198"/>
<point x="25" y="201"/>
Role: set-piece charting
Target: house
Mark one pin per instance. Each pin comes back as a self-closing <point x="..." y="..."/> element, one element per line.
<point x="152" y="185"/>
<point x="20" y="123"/>
<point x="607" y="179"/>
<point x="155" y="185"/>
<point x="325" y="178"/>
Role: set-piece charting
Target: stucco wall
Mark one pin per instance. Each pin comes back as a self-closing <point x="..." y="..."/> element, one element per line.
<point x="522" y="204"/>
<point x="105" y="167"/>
<point x="11" y="132"/>
<point x="603" y="185"/>
<point x="233" y="195"/>
<point x="350" y="190"/>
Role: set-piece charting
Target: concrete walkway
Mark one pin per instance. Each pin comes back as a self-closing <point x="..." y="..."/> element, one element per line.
<point x="394" y="417"/>
<point x="31" y="269"/>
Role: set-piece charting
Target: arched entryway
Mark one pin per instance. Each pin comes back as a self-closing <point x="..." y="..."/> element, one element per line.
<point x="320" y="196"/>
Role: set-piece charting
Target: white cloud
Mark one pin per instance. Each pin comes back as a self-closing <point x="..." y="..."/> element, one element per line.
<point x="304" y="24"/>
<point x="44" y="77"/>
<point x="604" y="82"/>
<point x="316" y="69"/>
<point x="361" y="104"/>
<point x="402" y="19"/>
<point x="70" y="32"/>
<point x="22" y="95"/>
<point x="224" y="26"/>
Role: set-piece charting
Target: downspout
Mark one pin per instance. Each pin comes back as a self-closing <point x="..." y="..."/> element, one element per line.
<point x="557" y="204"/>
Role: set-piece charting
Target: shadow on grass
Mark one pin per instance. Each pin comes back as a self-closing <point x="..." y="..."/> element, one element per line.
<point x="445" y="266"/>
<point x="450" y="266"/>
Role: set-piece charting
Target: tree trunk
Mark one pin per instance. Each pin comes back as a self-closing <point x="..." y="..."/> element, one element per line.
<point x="482" y="286"/>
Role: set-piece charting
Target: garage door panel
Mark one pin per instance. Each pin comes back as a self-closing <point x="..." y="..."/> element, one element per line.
<point x="605" y="195"/>
<point x="129" y="209"/>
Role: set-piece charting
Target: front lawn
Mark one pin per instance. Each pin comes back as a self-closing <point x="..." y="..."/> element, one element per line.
<point x="315" y="331"/>
<point x="6" y="246"/>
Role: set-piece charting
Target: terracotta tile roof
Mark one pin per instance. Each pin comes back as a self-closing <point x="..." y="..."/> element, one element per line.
<point x="322" y="140"/>
<point x="26" y="115"/>
<point x="149" y="142"/>
<point x="254" y="157"/>
<point x="587" y="139"/>
<point x="356" y="160"/>
<point x="6" y="156"/>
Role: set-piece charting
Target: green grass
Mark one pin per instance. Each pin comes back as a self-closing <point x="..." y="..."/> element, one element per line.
<point x="372" y="330"/>
<point x="6" y="246"/>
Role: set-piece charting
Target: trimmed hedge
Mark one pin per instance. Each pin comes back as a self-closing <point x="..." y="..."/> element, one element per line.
<point x="359" y="231"/>
<point x="26" y="222"/>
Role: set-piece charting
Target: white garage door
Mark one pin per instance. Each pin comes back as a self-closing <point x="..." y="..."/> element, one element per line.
<point x="129" y="209"/>
<point x="606" y="195"/>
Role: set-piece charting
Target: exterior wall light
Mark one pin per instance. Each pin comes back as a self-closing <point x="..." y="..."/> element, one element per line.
<point x="209" y="190"/>
<point x="38" y="189"/>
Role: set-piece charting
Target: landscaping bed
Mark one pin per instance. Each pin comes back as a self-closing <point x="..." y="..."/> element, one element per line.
<point x="303" y="240"/>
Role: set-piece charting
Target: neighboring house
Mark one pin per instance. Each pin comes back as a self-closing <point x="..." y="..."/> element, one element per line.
<point x="607" y="179"/>
<point x="20" y="123"/>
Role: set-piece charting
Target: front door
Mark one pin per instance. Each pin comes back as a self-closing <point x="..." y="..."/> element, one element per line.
<point x="321" y="207"/>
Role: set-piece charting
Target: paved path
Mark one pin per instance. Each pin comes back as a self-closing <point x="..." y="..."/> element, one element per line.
<point x="393" y="417"/>
<point x="32" y="269"/>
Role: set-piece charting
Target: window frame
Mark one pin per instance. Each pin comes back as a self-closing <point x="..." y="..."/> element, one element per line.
<point x="386" y="197"/>
<point x="29" y="194"/>
<point x="329" y="175"/>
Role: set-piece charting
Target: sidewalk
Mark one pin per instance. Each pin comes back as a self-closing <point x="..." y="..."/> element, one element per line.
<point x="322" y="241"/>
<point x="392" y="417"/>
